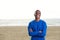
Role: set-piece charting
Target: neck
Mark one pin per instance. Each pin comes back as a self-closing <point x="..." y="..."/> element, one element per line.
<point x="37" y="20"/>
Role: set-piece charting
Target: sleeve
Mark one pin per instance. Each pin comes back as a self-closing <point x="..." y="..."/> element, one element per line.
<point x="34" y="33"/>
<point x="44" y="30"/>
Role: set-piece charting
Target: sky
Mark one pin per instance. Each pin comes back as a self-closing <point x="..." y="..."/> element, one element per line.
<point x="25" y="9"/>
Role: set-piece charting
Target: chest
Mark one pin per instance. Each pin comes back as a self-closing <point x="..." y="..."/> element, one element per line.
<point x="37" y="26"/>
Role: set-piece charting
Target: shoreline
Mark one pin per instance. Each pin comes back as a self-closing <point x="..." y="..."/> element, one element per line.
<point x="26" y="26"/>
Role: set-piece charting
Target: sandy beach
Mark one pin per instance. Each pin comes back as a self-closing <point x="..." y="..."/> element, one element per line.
<point x="21" y="33"/>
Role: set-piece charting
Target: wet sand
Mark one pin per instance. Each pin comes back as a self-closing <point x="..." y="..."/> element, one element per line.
<point x="21" y="33"/>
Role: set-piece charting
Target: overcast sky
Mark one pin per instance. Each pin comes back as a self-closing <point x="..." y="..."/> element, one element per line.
<point x="24" y="9"/>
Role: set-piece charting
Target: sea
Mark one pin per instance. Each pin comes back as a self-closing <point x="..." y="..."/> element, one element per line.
<point x="25" y="22"/>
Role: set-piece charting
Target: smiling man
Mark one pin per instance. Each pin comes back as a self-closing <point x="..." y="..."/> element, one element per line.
<point x="37" y="28"/>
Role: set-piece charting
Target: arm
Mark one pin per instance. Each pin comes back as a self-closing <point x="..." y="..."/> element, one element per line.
<point x="30" y="31"/>
<point x="44" y="29"/>
<point x="43" y="33"/>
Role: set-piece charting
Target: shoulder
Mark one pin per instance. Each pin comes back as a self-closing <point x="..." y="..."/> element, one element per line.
<point x="43" y="21"/>
<point x="31" y="22"/>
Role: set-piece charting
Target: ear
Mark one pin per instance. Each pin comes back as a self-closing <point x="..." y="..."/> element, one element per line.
<point x="40" y="14"/>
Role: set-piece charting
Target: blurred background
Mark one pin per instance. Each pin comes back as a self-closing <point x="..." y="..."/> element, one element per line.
<point x="15" y="16"/>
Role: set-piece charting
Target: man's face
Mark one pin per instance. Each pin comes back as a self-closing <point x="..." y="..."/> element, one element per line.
<point x="37" y="14"/>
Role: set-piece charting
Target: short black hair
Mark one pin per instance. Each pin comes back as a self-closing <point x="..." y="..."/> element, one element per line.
<point x="37" y="10"/>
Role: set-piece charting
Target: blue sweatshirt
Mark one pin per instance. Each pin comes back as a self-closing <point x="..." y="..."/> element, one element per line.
<point x="36" y="27"/>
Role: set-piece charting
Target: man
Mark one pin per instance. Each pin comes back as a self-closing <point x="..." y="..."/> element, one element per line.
<point x="37" y="28"/>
